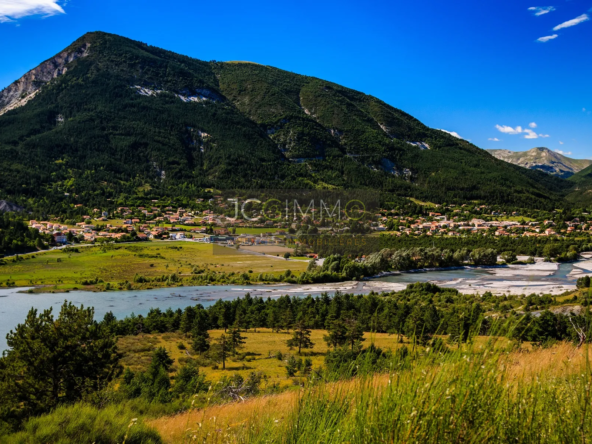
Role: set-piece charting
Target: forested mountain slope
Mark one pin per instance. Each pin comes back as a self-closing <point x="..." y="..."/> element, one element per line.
<point x="109" y="118"/>
<point x="582" y="190"/>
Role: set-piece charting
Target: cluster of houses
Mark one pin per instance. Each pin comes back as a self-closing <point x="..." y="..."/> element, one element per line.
<point x="442" y="226"/>
<point x="84" y="230"/>
<point x="165" y="223"/>
<point x="89" y="232"/>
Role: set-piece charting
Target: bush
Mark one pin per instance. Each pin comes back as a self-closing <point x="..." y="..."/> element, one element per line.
<point x="80" y="423"/>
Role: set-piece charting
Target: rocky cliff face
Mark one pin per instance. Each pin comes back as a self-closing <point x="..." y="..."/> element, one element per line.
<point x="24" y="89"/>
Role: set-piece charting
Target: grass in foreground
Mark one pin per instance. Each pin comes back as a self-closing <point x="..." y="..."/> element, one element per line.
<point x="480" y="396"/>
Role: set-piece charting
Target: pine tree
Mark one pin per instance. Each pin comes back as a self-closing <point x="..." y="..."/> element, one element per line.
<point x="337" y="334"/>
<point x="235" y="339"/>
<point x="221" y="349"/>
<point x="354" y="333"/>
<point x="301" y="337"/>
<point x="160" y="360"/>
<point x="57" y="360"/>
<point x="287" y="319"/>
<point x="199" y="332"/>
<point x="415" y="326"/>
<point x="187" y="319"/>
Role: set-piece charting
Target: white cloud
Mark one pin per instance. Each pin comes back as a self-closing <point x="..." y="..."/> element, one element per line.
<point x="541" y="10"/>
<point x="508" y="129"/>
<point x="494" y="139"/>
<point x="547" y="38"/>
<point x="560" y="142"/>
<point x="573" y="22"/>
<point x="568" y="153"/>
<point x="10" y="10"/>
<point x="453" y="133"/>
<point x="530" y="134"/>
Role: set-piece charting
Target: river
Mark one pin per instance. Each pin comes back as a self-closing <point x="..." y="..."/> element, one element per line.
<point x="523" y="279"/>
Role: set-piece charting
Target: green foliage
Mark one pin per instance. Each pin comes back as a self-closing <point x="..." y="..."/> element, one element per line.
<point x="583" y="282"/>
<point x="53" y="361"/>
<point x="85" y="424"/>
<point x="221" y="349"/>
<point x="199" y="332"/>
<point x="301" y="337"/>
<point x="508" y="257"/>
<point x="16" y="237"/>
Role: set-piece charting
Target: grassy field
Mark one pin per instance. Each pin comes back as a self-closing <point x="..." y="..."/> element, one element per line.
<point x="116" y="263"/>
<point x="262" y="347"/>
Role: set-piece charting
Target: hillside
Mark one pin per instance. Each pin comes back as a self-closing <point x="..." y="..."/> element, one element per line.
<point x="543" y="159"/>
<point x="582" y="191"/>
<point x="110" y="118"/>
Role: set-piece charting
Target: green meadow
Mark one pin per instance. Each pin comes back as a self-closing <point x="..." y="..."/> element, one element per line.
<point x="117" y="263"/>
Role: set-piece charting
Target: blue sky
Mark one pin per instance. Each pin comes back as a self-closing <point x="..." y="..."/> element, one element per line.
<point x="501" y="73"/>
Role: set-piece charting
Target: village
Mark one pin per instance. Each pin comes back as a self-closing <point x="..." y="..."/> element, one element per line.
<point x="215" y="225"/>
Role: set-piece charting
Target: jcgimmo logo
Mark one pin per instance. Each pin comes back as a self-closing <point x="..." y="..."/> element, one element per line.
<point x="297" y="205"/>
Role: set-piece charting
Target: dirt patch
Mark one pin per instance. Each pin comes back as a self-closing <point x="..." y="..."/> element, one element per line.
<point x="268" y="249"/>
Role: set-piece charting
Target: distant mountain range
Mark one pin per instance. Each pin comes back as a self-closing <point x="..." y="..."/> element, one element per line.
<point x="543" y="159"/>
<point x="109" y="120"/>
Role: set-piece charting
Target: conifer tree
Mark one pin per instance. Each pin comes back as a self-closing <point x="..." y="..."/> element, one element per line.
<point x="199" y="332"/>
<point x="301" y="337"/>
<point x="221" y="349"/>
<point x="51" y="361"/>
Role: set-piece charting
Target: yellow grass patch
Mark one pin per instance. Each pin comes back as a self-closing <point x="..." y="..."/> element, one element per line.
<point x="263" y="344"/>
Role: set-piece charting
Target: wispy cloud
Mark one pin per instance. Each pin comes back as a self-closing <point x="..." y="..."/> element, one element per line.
<point x="11" y="10"/>
<point x="573" y="22"/>
<point x="560" y="142"/>
<point x="547" y="38"/>
<point x="453" y="133"/>
<point x="541" y="10"/>
<point x="494" y="139"/>
<point x="532" y="125"/>
<point x="564" y="153"/>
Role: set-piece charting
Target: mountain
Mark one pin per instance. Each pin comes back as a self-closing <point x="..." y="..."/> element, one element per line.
<point x="543" y="159"/>
<point x="110" y="119"/>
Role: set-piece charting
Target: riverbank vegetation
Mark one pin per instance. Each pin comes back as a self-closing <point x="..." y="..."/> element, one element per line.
<point x="169" y="264"/>
<point x="133" y="371"/>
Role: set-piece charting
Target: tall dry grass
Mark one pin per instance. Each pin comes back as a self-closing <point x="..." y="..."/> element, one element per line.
<point x="487" y="395"/>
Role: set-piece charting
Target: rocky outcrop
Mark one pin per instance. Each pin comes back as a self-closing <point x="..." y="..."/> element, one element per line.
<point x="24" y="89"/>
<point x="9" y="207"/>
